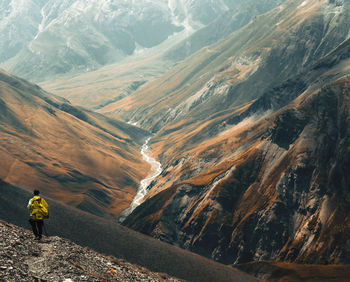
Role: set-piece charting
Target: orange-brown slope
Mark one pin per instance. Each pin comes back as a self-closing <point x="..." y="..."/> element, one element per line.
<point x="274" y="189"/>
<point x="268" y="181"/>
<point x="76" y="156"/>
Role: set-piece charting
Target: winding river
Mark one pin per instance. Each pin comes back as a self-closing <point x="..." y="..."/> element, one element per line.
<point x="156" y="170"/>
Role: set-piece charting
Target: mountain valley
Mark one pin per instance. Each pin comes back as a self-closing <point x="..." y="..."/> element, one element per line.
<point x="245" y="105"/>
<point x="80" y="157"/>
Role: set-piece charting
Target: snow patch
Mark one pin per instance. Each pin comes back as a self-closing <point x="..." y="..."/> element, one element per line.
<point x="246" y="122"/>
<point x="181" y="16"/>
<point x="134" y="123"/>
<point x="303" y="4"/>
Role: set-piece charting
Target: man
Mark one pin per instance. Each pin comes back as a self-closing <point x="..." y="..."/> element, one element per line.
<point x="38" y="211"/>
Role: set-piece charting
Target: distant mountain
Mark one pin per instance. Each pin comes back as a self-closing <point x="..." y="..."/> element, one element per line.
<point x="41" y="39"/>
<point x="253" y="135"/>
<point x="80" y="157"/>
<point x="223" y="26"/>
<point x="121" y="79"/>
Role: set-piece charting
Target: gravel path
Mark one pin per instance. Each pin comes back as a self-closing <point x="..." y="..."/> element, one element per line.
<point x="55" y="259"/>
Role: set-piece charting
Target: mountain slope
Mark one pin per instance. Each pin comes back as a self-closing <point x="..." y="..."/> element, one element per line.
<point x="109" y="238"/>
<point x="240" y="68"/>
<point x="274" y="271"/>
<point x="222" y="27"/>
<point x="80" y="157"/>
<point x="76" y="36"/>
<point x="116" y="81"/>
<point x="266" y="180"/>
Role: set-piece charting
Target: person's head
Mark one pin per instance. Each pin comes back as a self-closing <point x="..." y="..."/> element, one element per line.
<point x="36" y="192"/>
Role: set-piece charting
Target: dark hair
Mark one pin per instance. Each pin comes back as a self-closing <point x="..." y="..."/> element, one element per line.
<point x="36" y="192"/>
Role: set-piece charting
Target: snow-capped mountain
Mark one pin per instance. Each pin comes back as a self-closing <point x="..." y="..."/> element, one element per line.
<point x="44" y="38"/>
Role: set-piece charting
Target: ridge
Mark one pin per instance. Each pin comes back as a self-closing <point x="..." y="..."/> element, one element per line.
<point x="58" y="259"/>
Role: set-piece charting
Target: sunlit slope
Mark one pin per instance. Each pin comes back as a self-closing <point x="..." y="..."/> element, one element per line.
<point x="222" y="27"/>
<point x="76" y="156"/>
<point x="270" y="49"/>
<point x="267" y="180"/>
<point x="109" y="84"/>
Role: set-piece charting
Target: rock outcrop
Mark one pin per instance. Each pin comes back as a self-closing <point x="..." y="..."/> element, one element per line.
<point x="55" y="259"/>
<point x="264" y="181"/>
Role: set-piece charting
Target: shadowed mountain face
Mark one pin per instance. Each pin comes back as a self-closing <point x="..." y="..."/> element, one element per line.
<point x="275" y="271"/>
<point x="266" y="179"/>
<point x="79" y="157"/>
<point x="272" y="184"/>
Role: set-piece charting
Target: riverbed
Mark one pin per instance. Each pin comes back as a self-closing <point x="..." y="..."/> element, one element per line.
<point x="156" y="170"/>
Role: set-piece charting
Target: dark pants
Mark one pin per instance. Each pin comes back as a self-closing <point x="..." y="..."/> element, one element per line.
<point x="37" y="226"/>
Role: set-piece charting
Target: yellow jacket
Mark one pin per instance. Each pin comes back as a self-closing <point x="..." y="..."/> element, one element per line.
<point x="38" y="208"/>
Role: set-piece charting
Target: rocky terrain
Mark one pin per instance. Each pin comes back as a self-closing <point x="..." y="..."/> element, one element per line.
<point x="239" y="68"/>
<point x="264" y="179"/>
<point x="55" y="259"/>
<point x="272" y="185"/>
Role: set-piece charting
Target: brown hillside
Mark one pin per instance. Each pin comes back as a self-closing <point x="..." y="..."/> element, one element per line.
<point x="79" y="157"/>
<point x="266" y="181"/>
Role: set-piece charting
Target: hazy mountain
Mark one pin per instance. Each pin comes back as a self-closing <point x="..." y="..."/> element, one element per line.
<point x="46" y="38"/>
<point x="119" y="80"/>
<point x="80" y="157"/>
<point x="222" y="27"/>
<point x="272" y="48"/>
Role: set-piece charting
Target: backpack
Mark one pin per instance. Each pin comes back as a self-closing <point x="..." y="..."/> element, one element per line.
<point x="39" y="210"/>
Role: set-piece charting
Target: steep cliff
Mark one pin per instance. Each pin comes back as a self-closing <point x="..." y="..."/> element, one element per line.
<point x="238" y="69"/>
<point x="264" y="181"/>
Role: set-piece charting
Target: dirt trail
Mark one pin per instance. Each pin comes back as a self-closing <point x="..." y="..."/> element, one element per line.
<point x="59" y="260"/>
